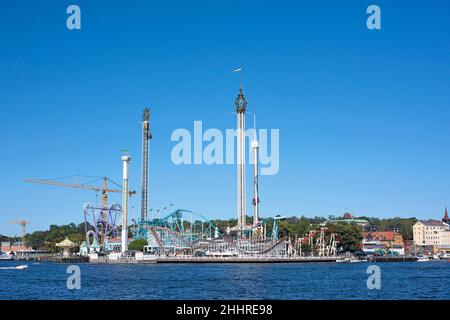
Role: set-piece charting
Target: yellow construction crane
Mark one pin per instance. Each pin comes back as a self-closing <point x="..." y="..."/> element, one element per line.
<point x="24" y="224"/>
<point x="104" y="189"/>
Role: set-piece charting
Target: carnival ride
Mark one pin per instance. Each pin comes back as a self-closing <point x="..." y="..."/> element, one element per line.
<point x="187" y="233"/>
<point x="104" y="223"/>
<point x="184" y="232"/>
<point x="319" y="242"/>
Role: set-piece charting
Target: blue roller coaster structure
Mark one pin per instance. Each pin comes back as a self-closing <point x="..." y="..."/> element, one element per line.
<point x="184" y="232"/>
<point x="187" y="224"/>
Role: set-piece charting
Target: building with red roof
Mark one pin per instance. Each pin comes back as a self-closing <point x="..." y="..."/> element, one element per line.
<point x="383" y="241"/>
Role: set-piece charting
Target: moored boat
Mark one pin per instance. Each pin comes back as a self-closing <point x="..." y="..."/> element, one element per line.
<point x="423" y="259"/>
<point x="445" y="256"/>
<point x="5" y="256"/>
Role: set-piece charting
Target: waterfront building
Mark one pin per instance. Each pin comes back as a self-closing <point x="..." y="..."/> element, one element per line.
<point x="429" y="233"/>
<point x="387" y="241"/>
<point x="410" y="248"/>
<point x="8" y="247"/>
<point x="84" y="249"/>
<point x="444" y="245"/>
<point x="115" y="244"/>
<point x="95" y="246"/>
<point x="347" y="218"/>
<point x="433" y="233"/>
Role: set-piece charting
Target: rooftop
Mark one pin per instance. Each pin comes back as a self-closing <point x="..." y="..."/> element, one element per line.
<point x="381" y="235"/>
<point x="433" y="223"/>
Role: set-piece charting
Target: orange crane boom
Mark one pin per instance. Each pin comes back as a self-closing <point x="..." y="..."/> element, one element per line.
<point x="104" y="189"/>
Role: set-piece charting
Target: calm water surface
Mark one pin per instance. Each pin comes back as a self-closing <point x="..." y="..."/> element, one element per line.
<point x="228" y="281"/>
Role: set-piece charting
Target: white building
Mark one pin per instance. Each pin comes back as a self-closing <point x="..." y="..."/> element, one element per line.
<point x="433" y="233"/>
<point x="429" y="233"/>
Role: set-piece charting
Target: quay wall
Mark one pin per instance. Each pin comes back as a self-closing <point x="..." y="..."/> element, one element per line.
<point x="200" y="260"/>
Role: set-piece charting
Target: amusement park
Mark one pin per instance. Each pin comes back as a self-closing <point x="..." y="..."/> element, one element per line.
<point x="185" y="233"/>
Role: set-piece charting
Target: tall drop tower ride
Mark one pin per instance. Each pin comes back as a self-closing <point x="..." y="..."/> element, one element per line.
<point x="255" y="148"/>
<point x="241" y="106"/>
<point x="126" y="161"/>
<point x="146" y="136"/>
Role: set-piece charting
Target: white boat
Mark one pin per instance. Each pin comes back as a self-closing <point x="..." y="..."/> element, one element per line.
<point x="5" y="256"/>
<point x="423" y="259"/>
<point x="22" y="267"/>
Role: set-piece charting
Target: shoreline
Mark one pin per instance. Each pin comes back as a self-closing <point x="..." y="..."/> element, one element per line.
<point x="203" y="260"/>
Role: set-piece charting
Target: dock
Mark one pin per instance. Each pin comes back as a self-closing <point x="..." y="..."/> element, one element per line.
<point x="393" y="259"/>
<point x="55" y="258"/>
<point x="203" y="260"/>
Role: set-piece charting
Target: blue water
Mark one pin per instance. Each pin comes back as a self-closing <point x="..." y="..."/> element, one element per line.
<point x="229" y="281"/>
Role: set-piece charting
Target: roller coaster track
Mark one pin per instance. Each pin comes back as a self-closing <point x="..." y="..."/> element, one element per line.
<point x="169" y="232"/>
<point x="234" y="244"/>
<point x="279" y="242"/>
<point x="156" y="236"/>
<point x="158" y="232"/>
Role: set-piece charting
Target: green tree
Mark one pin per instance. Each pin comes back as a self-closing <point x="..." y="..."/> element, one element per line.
<point x="138" y="245"/>
<point x="349" y="236"/>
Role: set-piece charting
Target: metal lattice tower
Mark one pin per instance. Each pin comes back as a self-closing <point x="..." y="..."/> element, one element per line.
<point x="146" y="136"/>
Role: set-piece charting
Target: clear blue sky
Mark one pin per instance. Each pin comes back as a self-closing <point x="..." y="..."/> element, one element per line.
<point x="364" y="116"/>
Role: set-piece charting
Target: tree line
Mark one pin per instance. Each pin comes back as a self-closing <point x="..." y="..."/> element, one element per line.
<point x="350" y="235"/>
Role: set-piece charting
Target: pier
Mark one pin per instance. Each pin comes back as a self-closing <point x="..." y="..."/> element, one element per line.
<point x="55" y="258"/>
<point x="48" y="257"/>
<point x="393" y="259"/>
<point x="256" y="259"/>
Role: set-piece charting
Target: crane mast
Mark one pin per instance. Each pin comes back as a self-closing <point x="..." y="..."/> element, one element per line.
<point x="24" y="224"/>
